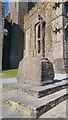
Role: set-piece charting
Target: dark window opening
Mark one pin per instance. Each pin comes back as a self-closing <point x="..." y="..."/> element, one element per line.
<point x="38" y="46"/>
<point x="43" y="28"/>
<point x="43" y="46"/>
<point x="66" y="35"/>
<point x="35" y="37"/>
<point x="39" y="31"/>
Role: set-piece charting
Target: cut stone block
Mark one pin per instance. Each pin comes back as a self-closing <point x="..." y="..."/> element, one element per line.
<point x="35" y="71"/>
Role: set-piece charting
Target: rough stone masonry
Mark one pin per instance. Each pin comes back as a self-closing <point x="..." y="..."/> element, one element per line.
<point x="1" y="31"/>
<point x="45" y="37"/>
<point x="13" y="42"/>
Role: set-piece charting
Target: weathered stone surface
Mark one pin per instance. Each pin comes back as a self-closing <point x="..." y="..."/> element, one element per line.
<point x="59" y="38"/>
<point x="6" y="45"/>
<point x="1" y="31"/>
<point x="24" y="99"/>
<point x="13" y="45"/>
<point x="34" y="66"/>
<point x="57" y="112"/>
<point x="35" y="107"/>
<point x="35" y="91"/>
<point x="8" y="112"/>
<point x="35" y="71"/>
<point x="43" y="38"/>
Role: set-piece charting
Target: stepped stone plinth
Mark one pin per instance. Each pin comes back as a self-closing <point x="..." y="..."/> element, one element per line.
<point x="34" y="101"/>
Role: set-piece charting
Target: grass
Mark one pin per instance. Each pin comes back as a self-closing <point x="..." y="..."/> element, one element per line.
<point x="9" y="73"/>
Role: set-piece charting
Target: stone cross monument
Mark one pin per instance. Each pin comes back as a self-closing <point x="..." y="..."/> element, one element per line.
<point x="46" y="43"/>
<point x="35" y="68"/>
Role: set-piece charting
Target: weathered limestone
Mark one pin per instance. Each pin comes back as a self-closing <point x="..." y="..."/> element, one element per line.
<point x="59" y="40"/>
<point x="13" y="43"/>
<point x="35" y="68"/>
<point x="44" y="36"/>
<point x="17" y="10"/>
<point x="1" y="31"/>
<point x="35" y="71"/>
<point x="23" y="98"/>
<point x="35" y="91"/>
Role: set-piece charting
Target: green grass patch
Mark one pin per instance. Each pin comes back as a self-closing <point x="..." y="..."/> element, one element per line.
<point x="9" y="73"/>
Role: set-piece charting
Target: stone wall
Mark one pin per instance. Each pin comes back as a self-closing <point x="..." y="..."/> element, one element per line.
<point x="17" y="10"/>
<point x="16" y="46"/>
<point x="1" y="31"/>
<point x="59" y="38"/>
<point x="6" y="46"/>
<point x="16" y="37"/>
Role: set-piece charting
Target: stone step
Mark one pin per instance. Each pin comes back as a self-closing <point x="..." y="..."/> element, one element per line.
<point x="34" y="107"/>
<point x="57" y="112"/>
<point x="36" y="91"/>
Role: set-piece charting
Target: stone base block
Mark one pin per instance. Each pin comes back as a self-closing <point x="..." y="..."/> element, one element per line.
<point x="59" y="76"/>
<point x="35" y="71"/>
<point x="60" y="66"/>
